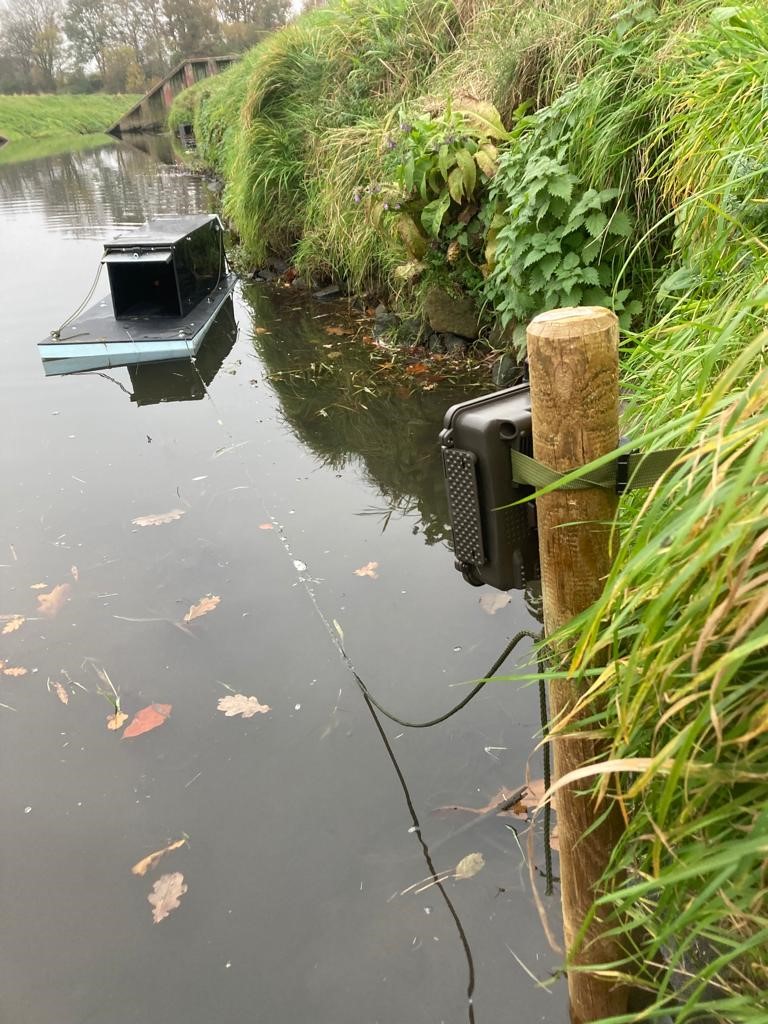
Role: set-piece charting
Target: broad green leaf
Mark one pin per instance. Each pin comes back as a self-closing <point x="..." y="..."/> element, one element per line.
<point x="561" y="186"/>
<point x="595" y="223"/>
<point x="443" y="160"/>
<point x="620" y="224"/>
<point x="456" y="184"/>
<point x="433" y="213"/>
<point x="468" y="170"/>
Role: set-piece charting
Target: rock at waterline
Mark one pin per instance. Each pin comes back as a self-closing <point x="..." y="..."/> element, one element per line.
<point x="448" y="314"/>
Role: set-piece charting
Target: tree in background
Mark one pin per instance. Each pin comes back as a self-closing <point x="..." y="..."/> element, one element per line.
<point x="121" y="44"/>
<point x="32" y="36"/>
<point x="140" y="25"/>
<point x="122" y="72"/>
<point x="262" y="14"/>
<point x="191" y="27"/>
<point x="90" y="26"/>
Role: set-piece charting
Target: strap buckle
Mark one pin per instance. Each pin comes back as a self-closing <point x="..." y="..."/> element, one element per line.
<point x="622" y="471"/>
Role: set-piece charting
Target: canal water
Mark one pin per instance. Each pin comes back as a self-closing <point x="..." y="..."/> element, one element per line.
<point x="282" y="465"/>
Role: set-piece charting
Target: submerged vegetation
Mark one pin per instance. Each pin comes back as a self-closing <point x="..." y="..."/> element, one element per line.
<point x="536" y="155"/>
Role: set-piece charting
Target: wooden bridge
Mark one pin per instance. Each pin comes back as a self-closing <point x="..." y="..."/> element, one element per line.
<point x="150" y="114"/>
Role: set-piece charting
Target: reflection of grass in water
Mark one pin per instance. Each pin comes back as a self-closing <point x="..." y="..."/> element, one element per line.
<point x="347" y="409"/>
<point x="35" y="149"/>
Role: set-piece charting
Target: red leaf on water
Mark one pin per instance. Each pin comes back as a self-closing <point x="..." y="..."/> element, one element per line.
<point x="148" y="718"/>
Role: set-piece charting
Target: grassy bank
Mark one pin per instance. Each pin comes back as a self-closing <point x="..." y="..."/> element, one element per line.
<point x="47" y="116"/>
<point x="527" y="157"/>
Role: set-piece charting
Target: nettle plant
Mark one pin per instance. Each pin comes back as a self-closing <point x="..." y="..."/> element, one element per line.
<point x="440" y="166"/>
<point x="552" y="242"/>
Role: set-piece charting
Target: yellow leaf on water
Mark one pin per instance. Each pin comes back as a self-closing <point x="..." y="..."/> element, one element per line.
<point x="165" y="895"/>
<point x="61" y="692"/>
<point x="469" y="865"/>
<point x="238" y="704"/>
<point x="368" y="570"/>
<point x="38" y="586"/>
<point x="159" y="518"/>
<point x="204" y="605"/>
<point x="116" y="721"/>
<point x="150" y="861"/>
<point x="14" y="623"/>
<point x="51" y="604"/>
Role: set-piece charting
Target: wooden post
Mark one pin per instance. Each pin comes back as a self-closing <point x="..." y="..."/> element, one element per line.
<point x="573" y="358"/>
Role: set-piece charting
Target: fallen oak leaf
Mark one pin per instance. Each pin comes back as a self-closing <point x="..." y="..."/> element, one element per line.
<point x="239" y="704"/>
<point x="14" y="623"/>
<point x="159" y="518"/>
<point x="204" y="605"/>
<point x="116" y="721"/>
<point x="150" y="717"/>
<point x="368" y="570"/>
<point x="51" y="604"/>
<point x="151" y="860"/>
<point x="165" y="895"/>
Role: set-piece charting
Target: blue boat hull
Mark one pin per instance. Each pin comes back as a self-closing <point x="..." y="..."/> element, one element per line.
<point x="96" y="340"/>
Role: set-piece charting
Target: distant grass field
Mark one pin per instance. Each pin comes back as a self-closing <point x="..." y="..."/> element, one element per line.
<point x="46" y="116"/>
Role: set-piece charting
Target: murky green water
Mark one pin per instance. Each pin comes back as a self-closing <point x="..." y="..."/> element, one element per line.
<point x="301" y="822"/>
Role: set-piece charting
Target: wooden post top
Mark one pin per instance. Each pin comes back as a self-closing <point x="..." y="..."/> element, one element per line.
<point x="560" y="322"/>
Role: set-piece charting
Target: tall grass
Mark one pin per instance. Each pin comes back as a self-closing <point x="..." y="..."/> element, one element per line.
<point x="682" y="620"/>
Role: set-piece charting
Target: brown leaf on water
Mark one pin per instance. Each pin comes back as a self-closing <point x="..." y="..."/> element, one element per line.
<point x="266" y="526"/>
<point x="61" y="692"/>
<point x="14" y="623"/>
<point x="151" y="860"/>
<point x="368" y="570"/>
<point x="417" y="368"/>
<point x="116" y="721"/>
<point x="159" y="518"/>
<point x="75" y="573"/>
<point x="491" y="603"/>
<point x="148" y="718"/>
<point x="165" y="895"/>
<point x="238" y="704"/>
<point x="12" y="670"/>
<point x="338" y="331"/>
<point x="51" y="604"/>
<point x="204" y="605"/>
<point x="469" y="865"/>
<point x="38" y="586"/>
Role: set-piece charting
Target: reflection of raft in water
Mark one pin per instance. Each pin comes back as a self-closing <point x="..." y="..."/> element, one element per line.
<point x="168" y="280"/>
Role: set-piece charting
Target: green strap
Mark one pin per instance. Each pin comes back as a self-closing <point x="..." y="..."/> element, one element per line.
<point x="626" y="473"/>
